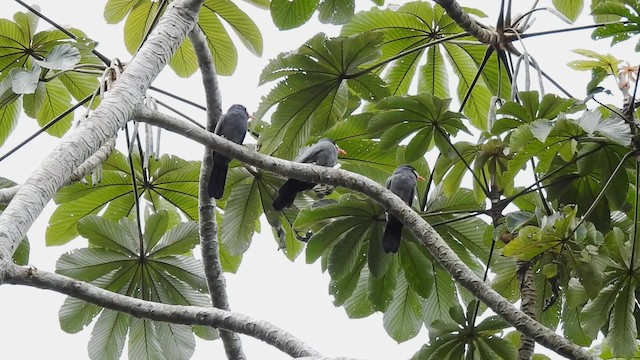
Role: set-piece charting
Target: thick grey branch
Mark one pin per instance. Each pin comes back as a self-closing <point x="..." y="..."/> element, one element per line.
<point x="85" y="168"/>
<point x="116" y="108"/>
<point x="480" y="32"/>
<point x="527" y="305"/>
<point x="176" y="314"/>
<point x="420" y="228"/>
<point x="206" y="205"/>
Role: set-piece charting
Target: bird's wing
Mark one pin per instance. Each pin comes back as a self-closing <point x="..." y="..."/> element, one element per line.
<point x="310" y="154"/>
<point x="387" y="183"/>
<point x="233" y="127"/>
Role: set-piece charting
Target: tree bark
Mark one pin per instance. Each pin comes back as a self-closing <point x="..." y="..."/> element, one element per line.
<point x="527" y="305"/>
<point x="206" y="205"/>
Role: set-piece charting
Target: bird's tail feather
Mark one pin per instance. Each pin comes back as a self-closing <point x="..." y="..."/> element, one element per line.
<point x="391" y="236"/>
<point x="217" y="180"/>
<point x="288" y="191"/>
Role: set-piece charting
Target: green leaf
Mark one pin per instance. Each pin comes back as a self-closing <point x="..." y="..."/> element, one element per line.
<point x="358" y="305"/>
<point x="9" y="115"/>
<point x="143" y="340"/>
<point x="177" y="340"/>
<point x="176" y="180"/>
<point x="324" y="239"/>
<point x="336" y="12"/>
<point x="184" y="61"/>
<point x="597" y="311"/>
<point x="116" y="10"/>
<point x="224" y="53"/>
<point x="343" y="288"/>
<point x="506" y="280"/>
<point x="423" y="114"/>
<point x="309" y="105"/>
<point x="434" y="79"/>
<point x="403" y="318"/>
<point x="240" y="217"/>
<point x="21" y="254"/>
<point x="346" y="252"/>
<point x="14" y="44"/>
<point x="380" y="289"/>
<point x="291" y="14"/>
<point x="443" y="297"/>
<point x="89" y="264"/>
<point x="79" y="200"/>
<point x="417" y="269"/>
<point x="57" y="100"/>
<point x="62" y="57"/>
<point x="105" y="233"/>
<point x="184" y="268"/>
<point x="569" y="8"/>
<point x="155" y="225"/>
<point x="28" y="21"/>
<point x="138" y="22"/>
<point x="571" y="328"/>
<point x="108" y="335"/>
<point x="366" y="157"/>
<point x="75" y="314"/>
<point x="622" y="325"/>
<point x="80" y="85"/>
<point x="378" y="260"/>
<point x="238" y="20"/>
<point x="465" y="68"/>
<point x="178" y="240"/>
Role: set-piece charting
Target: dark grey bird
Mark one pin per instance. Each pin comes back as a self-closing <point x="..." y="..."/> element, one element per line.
<point x="324" y="153"/>
<point x="402" y="183"/>
<point x="233" y="127"/>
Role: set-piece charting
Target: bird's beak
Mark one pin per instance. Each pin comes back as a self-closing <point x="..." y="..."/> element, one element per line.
<point x="251" y="116"/>
<point x="420" y="178"/>
<point x="340" y="151"/>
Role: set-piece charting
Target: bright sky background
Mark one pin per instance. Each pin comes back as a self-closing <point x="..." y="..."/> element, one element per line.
<point x="293" y="296"/>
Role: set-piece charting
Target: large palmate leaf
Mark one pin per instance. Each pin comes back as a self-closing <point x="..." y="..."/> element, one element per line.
<point x="425" y="115"/>
<point x="569" y="8"/>
<point x="170" y="180"/>
<point x="44" y="69"/>
<point x="319" y="78"/>
<point x="417" y="35"/>
<point x="153" y="268"/>
<point x="403" y="318"/>
<point x="240" y="216"/>
<point x="453" y="339"/>
<point x="214" y="15"/>
<point x="528" y="109"/>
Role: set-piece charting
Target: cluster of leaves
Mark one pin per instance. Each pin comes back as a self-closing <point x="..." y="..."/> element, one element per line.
<point x="142" y="16"/>
<point x="40" y="72"/>
<point x="154" y="266"/>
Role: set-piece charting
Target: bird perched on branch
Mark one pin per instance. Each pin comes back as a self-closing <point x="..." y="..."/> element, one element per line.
<point x="402" y="183"/>
<point x="233" y="127"/>
<point x="324" y="153"/>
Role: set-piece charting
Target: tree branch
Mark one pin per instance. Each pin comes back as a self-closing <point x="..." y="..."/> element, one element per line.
<point x="176" y="314"/>
<point x="475" y="29"/>
<point x="206" y="205"/>
<point x="116" y="109"/>
<point x="418" y="226"/>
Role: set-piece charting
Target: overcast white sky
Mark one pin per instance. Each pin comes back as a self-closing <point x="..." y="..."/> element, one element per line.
<point x="293" y="296"/>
